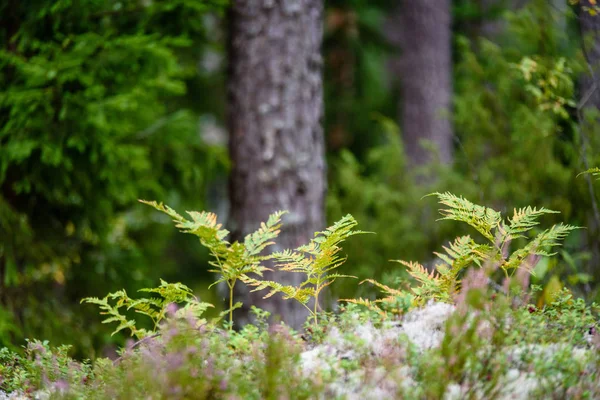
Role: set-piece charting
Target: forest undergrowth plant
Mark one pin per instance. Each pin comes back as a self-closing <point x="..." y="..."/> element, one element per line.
<point x="317" y="260"/>
<point x="443" y="283"/>
<point x="233" y="261"/>
<point x="156" y="308"/>
<point x="595" y="172"/>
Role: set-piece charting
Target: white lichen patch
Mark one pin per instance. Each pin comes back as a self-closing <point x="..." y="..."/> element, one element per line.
<point x="425" y="326"/>
<point x="363" y="361"/>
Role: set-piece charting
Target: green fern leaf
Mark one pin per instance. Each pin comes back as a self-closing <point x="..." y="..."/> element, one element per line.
<point x="256" y="242"/>
<point x="524" y="219"/>
<point x="483" y="219"/>
<point x="592" y="171"/>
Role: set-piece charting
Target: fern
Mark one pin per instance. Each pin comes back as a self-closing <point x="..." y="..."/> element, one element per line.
<point x="444" y="281"/>
<point x="500" y="233"/>
<point x="523" y="220"/>
<point x="484" y="219"/>
<point x="396" y="300"/>
<point x="317" y="260"/>
<point x="156" y="308"/>
<point x="595" y="172"/>
<point x="231" y="261"/>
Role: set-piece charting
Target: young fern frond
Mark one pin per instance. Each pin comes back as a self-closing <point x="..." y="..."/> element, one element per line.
<point x="112" y="311"/>
<point x="316" y="260"/>
<point x="203" y="225"/>
<point x="595" y="172"/>
<point x="464" y="252"/>
<point x="372" y="305"/>
<point x="431" y="283"/>
<point x="523" y="220"/>
<point x="256" y="242"/>
<point x="301" y="294"/>
<point x="156" y="308"/>
<point x="231" y="261"/>
<point x="396" y="300"/>
<point x="540" y="245"/>
<point x="500" y="234"/>
<point x="551" y="238"/>
<point x="420" y="273"/>
<point x="461" y="253"/>
<point x="484" y="219"/>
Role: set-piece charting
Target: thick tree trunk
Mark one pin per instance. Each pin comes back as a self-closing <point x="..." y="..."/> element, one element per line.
<point x="423" y="33"/>
<point x="276" y="139"/>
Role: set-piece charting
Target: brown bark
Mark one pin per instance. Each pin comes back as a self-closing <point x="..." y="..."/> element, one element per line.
<point x="590" y="32"/>
<point x="589" y="88"/>
<point x="276" y="139"/>
<point x="422" y="30"/>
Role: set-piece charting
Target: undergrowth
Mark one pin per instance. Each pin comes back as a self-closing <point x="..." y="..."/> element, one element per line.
<point x="491" y="337"/>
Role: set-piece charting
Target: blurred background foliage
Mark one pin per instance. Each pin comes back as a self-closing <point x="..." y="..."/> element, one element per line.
<point x="105" y="102"/>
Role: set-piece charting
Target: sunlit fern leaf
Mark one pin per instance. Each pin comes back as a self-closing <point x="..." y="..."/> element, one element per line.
<point x="420" y="273"/>
<point x="113" y="312"/>
<point x="256" y="242"/>
<point x="154" y="307"/>
<point x="484" y="219"/>
<point x="204" y="225"/>
<point x="524" y="219"/>
<point x="388" y="290"/>
<point x="300" y="294"/>
<point x="371" y="305"/>
<point x="194" y="308"/>
<point x="148" y="306"/>
<point x="165" y="209"/>
<point x="460" y="254"/>
<point x="541" y="244"/>
<point x="595" y="172"/>
<point x="126" y="324"/>
<point x="551" y="238"/>
<point x="316" y="260"/>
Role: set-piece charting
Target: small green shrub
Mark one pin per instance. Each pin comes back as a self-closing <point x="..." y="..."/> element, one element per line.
<point x="156" y="308"/>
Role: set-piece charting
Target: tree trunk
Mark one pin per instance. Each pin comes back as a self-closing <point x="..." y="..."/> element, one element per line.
<point x="276" y="139"/>
<point x="589" y="89"/>
<point x="590" y="32"/>
<point x="424" y="69"/>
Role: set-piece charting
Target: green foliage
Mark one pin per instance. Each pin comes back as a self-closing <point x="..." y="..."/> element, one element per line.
<point x="317" y="260"/>
<point x="565" y="318"/>
<point x="519" y="138"/>
<point x="376" y="191"/>
<point x="156" y="308"/>
<point x="232" y="260"/>
<point x="593" y="171"/>
<point x="512" y="146"/>
<point x="39" y="365"/>
<point x="486" y="349"/>
<point x="588" y="6"/>
<point x="396" y="301"/>
<point x="93" y="115"/>
<point x="443" y="283"/>
<point x="182" y="361"/>
<point x="551" y="86"/>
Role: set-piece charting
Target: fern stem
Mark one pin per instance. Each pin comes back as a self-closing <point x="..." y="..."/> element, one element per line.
<point x="231" y="305"/>
<point x="316" y="305"/>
